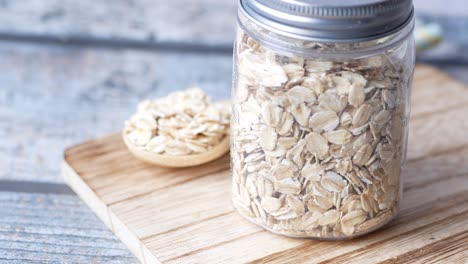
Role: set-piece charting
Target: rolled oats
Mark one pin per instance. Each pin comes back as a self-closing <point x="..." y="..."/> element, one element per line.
<point x="183" y="123"/>
<point x="318" y="143"/>
<point x="324" y="121"/>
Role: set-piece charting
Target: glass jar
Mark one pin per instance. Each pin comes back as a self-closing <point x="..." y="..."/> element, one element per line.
<point x="320" y="114"/>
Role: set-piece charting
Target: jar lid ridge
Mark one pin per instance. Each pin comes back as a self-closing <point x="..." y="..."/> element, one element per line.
<point x="330" y="20"/>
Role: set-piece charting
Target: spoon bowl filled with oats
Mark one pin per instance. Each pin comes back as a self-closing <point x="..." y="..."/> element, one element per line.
<point x="181" y="130"/>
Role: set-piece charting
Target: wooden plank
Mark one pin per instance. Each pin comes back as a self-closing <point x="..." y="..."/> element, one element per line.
<point x="438" y="129"/>
<point x="421" y="199"/>
<point x="422" y="175"/>
<point x="411" y="241"/>
<point x="436" y="7"/>
<point x="185" y="215"/>
<point x="421" y="205"/>
<point x="433" y="168"/>
<point x="191" y="21"/>
<point x="426" y="101"/>
<point x="447" y="250"/>
<point x="399" y="228"/>
<point x="49" y="228"/>
<point x="294" y="250"/>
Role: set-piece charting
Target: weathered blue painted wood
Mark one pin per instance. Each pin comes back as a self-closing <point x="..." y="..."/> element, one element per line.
<point x="209" y="22"/>
<point x="192" y="21"/>
<point x="51" y="228"/>
<point x="52" y="97"/>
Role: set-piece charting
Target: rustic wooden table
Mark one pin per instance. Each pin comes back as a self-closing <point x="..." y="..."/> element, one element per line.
<point x="74" y="70"/>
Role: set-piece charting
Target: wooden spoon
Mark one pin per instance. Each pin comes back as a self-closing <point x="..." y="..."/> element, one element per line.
<point x="178" y="161"/>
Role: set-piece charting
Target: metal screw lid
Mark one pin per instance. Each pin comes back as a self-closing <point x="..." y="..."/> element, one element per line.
<point x="330" y="20"/>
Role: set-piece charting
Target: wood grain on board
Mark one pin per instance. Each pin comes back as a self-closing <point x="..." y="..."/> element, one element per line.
<point x="185" y="215"/>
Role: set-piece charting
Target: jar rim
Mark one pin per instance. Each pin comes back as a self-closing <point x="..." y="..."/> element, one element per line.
<point x="293" y="46"/>
<point x="330" y="21"/>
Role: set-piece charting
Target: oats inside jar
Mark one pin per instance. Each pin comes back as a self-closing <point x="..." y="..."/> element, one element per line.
<point x="317" y="144"/>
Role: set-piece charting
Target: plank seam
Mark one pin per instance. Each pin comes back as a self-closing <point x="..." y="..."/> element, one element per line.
<point x="55" y="253"/>
<point x="46" y="225"/>
<point x="71" y="245"/>
<point x="34" y="187"/>
<point x="75" y="236"/>
<point x="22" y="259"/>
<point x="118" y="43"/>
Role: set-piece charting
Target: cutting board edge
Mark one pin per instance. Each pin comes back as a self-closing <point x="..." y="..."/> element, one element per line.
<point x="103" y="212"/>
<point x="91" y="198"/>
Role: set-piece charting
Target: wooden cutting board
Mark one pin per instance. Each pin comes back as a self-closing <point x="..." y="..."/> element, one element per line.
<point x="185" y="215"/>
